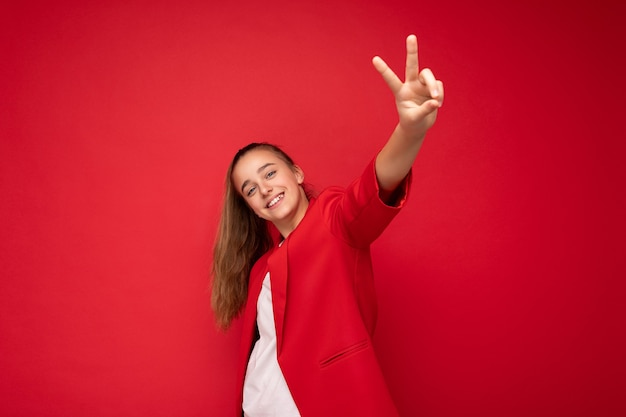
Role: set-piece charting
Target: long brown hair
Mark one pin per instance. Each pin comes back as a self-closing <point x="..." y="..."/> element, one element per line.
<point x="242" y="238"/>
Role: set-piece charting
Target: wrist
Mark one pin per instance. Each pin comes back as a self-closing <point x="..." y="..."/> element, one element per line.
<point x="410" y="133"/>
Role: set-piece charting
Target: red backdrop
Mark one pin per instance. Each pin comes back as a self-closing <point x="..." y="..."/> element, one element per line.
<point x="501" y="284"/>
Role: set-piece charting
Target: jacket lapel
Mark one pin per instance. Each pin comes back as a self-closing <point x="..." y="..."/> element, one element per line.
<point x="278" y="266"/>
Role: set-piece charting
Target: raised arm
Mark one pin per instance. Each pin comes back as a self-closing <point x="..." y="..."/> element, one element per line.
<point x="417" y="100"/>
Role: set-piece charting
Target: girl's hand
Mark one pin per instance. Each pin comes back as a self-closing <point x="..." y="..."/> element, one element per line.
<point x="417" y="98"/>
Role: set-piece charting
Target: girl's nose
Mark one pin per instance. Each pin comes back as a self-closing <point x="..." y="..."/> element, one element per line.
<point x="266" y="188"/>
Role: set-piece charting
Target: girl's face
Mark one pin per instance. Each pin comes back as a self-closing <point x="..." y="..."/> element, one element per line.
<point x="272" y="188"/>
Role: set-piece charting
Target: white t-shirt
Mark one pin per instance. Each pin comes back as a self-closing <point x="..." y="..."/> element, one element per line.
<point x="265" y="392"/>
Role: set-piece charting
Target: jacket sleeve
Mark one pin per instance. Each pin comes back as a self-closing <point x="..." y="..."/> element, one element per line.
<point x="356" y="214"/>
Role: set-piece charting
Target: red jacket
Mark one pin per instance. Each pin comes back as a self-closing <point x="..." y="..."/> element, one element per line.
<point x="325" y="305"/>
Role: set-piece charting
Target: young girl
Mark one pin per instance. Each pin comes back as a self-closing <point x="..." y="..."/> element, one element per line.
<point x="299" y="269"/>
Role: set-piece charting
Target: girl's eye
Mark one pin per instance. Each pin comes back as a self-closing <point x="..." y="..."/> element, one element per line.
<point x="270" y="174"/>
<point x="250" y="191"/>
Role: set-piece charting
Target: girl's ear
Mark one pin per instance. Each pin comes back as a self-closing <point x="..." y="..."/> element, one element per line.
<point x="299" y="174"/>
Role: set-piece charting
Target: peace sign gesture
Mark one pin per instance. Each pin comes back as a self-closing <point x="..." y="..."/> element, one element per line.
<point x="418" y="97"/>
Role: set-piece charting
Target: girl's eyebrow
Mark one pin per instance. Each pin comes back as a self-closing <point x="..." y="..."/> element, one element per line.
<point x="258" y="171"/>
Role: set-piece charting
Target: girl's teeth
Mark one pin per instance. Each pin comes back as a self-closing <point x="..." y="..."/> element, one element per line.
<point x="275" y="200"/>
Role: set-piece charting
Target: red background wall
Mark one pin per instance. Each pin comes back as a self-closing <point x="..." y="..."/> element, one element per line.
<point x="501" y="284"/>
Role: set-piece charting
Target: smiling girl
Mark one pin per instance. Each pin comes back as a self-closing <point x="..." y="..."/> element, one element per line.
<point x="297" y="268"/>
